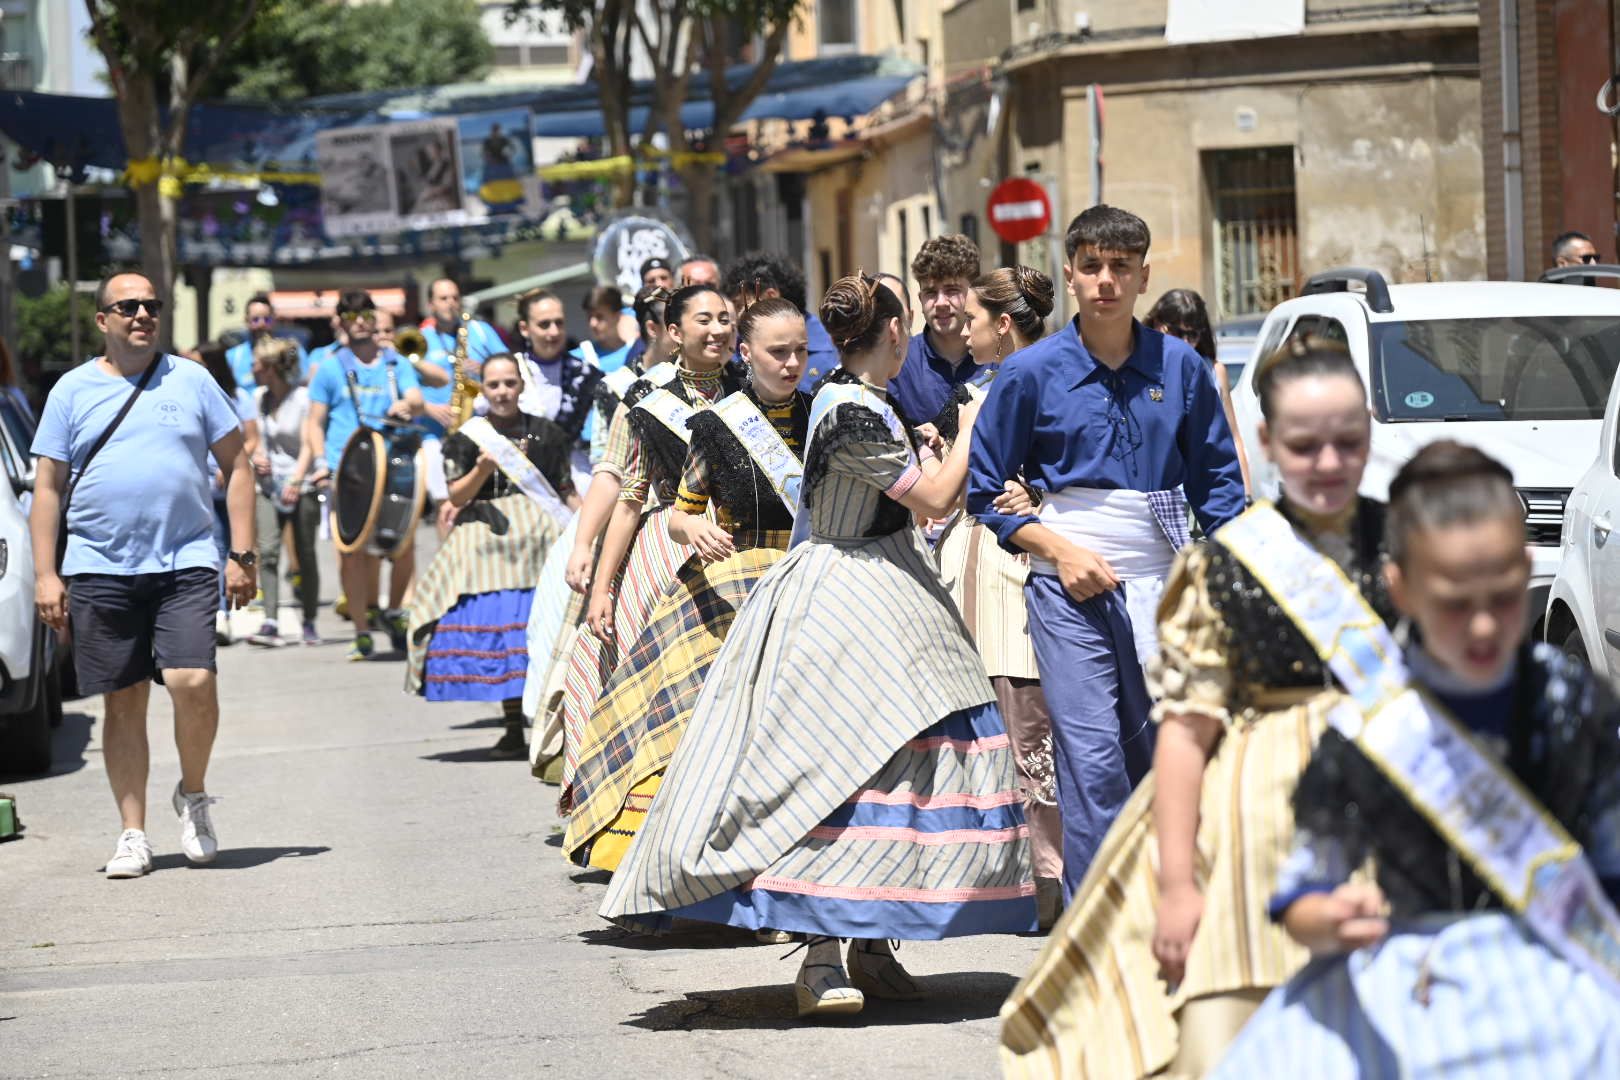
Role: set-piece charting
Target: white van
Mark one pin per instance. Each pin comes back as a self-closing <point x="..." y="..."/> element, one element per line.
<point x="1521" y="371"/>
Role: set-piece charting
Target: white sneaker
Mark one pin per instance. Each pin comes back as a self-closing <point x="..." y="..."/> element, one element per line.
<point x="197" y="837"/>
<point x="222" y="628"/>
<point x="133" y="857"/>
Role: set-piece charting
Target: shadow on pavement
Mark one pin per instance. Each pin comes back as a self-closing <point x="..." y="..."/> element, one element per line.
<point x="239" y="858"/>
<point x="954" y="997"/>
<point x="67" y="748"/>
<point x="685" y="935"/>
<point x="478" y="753"/>
<point x="486" y="722"/>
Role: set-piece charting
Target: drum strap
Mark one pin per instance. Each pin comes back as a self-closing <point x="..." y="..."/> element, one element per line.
<point x="352" y="377"/>
<point x="518" y="469"/>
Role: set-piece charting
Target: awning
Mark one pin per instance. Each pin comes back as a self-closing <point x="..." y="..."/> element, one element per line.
<point x="278" y="143"/>
<point x="322" y="303"/>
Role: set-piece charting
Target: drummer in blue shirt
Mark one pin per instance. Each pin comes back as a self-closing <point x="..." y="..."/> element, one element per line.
<point x="261" y="322"/>
<point x="359" y="383"/>
<point x="938" y="360"/>
<point x="1119" y="428"/>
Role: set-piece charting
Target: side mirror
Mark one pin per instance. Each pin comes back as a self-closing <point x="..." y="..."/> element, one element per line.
<point x="21" y="484"/>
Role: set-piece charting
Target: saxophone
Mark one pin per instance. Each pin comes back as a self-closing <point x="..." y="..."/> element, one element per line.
<point x="466" y="390"/>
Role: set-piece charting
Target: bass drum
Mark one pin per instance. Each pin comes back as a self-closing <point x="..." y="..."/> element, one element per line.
<point x="379" y="492"/>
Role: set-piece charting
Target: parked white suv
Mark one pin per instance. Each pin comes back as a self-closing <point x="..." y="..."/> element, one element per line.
<point x="1522" y="371"/>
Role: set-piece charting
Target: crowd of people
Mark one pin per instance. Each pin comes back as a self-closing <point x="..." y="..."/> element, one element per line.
<point x="832" y="631"/>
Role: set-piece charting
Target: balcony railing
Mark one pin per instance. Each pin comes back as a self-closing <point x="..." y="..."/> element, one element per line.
<point x="16" y="72"/>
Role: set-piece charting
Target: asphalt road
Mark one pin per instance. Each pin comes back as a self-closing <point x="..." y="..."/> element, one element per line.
<point x="386" y="902"/>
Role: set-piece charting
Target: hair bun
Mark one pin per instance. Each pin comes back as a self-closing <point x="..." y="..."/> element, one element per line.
<point x="848" y="308"/>
<point x="1036" y="289"/>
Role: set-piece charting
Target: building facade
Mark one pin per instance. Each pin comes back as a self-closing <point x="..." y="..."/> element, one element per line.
<point x="1352" y="137"/>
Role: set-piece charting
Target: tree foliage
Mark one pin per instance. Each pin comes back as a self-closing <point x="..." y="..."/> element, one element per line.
<point x="296" y="49"/>
<point x="44" y="341"/>
<point x="678" y="38"/>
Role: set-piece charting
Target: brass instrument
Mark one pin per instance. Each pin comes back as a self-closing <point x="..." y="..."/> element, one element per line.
<point x="410" y="343"/>
<point x="466" y="390"/>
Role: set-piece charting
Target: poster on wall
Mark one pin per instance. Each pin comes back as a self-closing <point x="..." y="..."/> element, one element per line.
<point x="497" y="164"/>
<point x="427" y="174"/>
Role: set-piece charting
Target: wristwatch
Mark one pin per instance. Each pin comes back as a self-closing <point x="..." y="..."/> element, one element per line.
<point x="244" y="559"/>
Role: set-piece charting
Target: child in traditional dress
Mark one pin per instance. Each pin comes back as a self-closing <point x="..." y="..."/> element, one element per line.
<point x="1479" y="779"/>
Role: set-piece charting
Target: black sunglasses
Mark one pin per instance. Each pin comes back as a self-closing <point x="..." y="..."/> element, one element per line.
<point x="1591" y="258"/>
<point x="129" y="308"/>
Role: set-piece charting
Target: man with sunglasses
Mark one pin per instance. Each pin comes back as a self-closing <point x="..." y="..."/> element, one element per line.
<point x="261" y="322"/>
<point x="363" y="382"/>
<point x="1574" y="249"/>
<point x="139" y="578"/>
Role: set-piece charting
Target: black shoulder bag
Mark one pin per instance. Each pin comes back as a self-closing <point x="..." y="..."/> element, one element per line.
<point x="95" y="448"/>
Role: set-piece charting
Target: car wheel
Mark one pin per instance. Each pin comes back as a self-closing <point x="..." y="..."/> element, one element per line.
<point x="1575" y="646"/>
<point x="26" y="745"/>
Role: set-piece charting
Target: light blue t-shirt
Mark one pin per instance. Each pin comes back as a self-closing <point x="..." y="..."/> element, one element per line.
<point x="330" y="387"/>
<point x="144" y="506"/>
<point x="482" y="343"/>
<point x="240" y="357"/>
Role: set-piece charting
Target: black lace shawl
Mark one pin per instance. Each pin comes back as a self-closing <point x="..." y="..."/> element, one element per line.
<point x="855" y="424"/>
<point x="1264" y="645"/>
<point x="736" y="484"/>
<point x="579" y="383"/>
<point x="546" y="445"/>
<point x="665" y="452"/>
<point x="1563" y="744"/>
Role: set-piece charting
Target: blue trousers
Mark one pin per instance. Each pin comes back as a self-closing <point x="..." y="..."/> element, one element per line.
<point x="1102" y="739"/>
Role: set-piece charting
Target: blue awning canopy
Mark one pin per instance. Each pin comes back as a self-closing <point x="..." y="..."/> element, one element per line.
<point x="83" y="132"/>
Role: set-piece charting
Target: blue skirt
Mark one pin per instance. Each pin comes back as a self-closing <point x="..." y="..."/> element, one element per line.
<point x="479" y="651"/>
<point x="935" y="817"/>
<point x="1446" y="996"/>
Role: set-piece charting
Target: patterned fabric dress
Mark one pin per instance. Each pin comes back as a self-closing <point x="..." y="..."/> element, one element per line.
<point x="644" y="710"/>
<point x="650" y="566"/>
<point x="845" y="771"/>
<point x="1229" y="653"/>
<point x="470" y="610"/>
<point x="1461" y="986"/>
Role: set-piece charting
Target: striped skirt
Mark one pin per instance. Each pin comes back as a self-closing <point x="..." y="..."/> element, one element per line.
<point x="650" y="569"/>
<point x="476" y="559"/>
<point x="547" y="616"/>
<point x="477" y="652"/>
<point x="639" y="721"/>
<point x="1097" y="971"/>
<point x="845" y="770"/>
<point x="1498" y="1005"/>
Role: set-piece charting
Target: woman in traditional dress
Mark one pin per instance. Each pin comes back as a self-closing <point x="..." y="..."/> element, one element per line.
<point x="1165" y="949"/>
<point x="1006" y="310"/>
<point x="1449" y="958"/>
<point x="753" y="489"/>
<point x="559" y="602"/>
<point x="639" y="561"/>
<point x="845" y="772"/>
<point x="467" y="618"/>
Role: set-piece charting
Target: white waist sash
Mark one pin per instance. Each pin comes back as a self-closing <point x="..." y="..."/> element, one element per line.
<point x="518" y="468"/>
<point x="1472" y="800"/>
<point x="1118" y="525"/>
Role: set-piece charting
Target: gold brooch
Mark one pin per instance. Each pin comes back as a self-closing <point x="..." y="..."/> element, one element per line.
<point x="1155" y="394"/>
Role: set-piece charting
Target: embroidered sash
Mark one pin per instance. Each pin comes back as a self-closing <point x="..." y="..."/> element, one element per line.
<point x="1507" y="837"/>
<point x="827" y="401"/>
<point x="658" y="375"/>
<point x="765" y="445"/>
<point x="518" y="468"/>
<point x="620" y="380"/>
<point x="670" y="411"/>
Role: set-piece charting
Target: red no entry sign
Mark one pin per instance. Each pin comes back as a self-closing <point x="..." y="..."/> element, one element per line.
<point x="1019" y="210"/>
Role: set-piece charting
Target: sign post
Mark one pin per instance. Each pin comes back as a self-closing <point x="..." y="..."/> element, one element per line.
<point x="1019" y="210"/>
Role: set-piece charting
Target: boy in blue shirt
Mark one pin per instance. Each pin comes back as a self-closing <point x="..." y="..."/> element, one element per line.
<point x="1108" y="419"/>
<point x="383" y="386"/>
